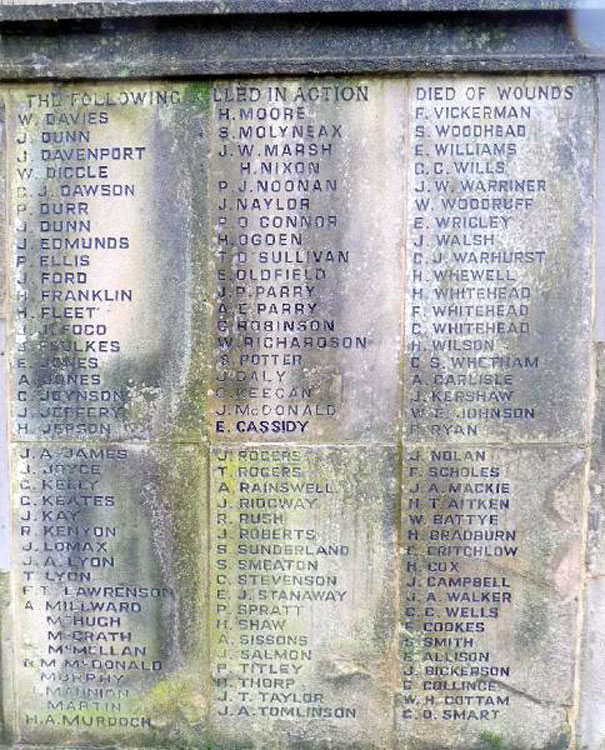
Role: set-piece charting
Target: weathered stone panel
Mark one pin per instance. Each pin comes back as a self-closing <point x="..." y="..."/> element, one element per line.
<point x="300" y="409"/>
<point x="491" y="559"/>
<point x="498" y="310"/>
<point x="306" y="272"/>
<point x="110" y="598"/>
<point x="105" y="233"/>
<point x="303" y="571"/>
<point x="591" y="724"/>
<point x="498" y="322"/>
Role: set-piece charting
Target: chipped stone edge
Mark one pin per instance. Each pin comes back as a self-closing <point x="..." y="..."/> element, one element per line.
<point x="32" y="10"/>
<point x="597" y="446"/>
<point x="597" y="294"/>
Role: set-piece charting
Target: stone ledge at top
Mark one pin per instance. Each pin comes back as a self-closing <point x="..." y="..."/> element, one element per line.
<point x="32" y="10"/>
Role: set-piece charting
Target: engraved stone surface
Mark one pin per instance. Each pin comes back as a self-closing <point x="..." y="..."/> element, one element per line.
<point x="300" y="403"/>
<point x="308" y="283"/>
<point x="499" y="299"/>
<point x="303" y="570"/>
<point x="491" y="563"/>
<point x="103" y="289"/>
<point x="110" y="607"/>
<point x="500" y="188"/>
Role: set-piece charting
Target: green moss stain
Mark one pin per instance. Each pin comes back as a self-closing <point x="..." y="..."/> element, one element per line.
<point x="491" y="741"/>
<point x="194" y="145"/>
<point x="176" y="699"/>
<point x="178" y="708"/>
<point x="198" y="92"/>
<point x="175" y="502"/>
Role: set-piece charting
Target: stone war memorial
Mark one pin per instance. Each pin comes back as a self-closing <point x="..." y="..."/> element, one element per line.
<point x="302" y="321"/>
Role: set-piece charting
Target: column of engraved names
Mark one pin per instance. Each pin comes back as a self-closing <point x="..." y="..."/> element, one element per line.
<point x="461" y="305"/>
<point x="269" y="575"/>
<point x="92" y="646"/>
<point x="279" y="257"/>
<point x="474" y="267"/>
<point x="71" y="177"/>
<point x="495" y="248"/>
<point x="87" y="649"/>
<point x="294" y="355"/>
<point x="456" y="505"/>
<point x="276" y="224"/>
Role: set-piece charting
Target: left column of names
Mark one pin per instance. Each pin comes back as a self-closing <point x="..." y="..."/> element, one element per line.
<point x="106" y="506"/>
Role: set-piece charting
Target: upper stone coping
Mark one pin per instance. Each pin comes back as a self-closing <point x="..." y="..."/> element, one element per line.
<point x="32" y="10"/>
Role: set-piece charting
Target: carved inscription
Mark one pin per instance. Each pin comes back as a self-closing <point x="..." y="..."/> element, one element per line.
<point x="499" y="180"/>
<point x="304" y="320"/>
<point x="100" y="526"/>
<point x="241" y="314"/>
<point x="299" y="410"/>
<point x="303" y="324"/>
<point x="480" y="579"/>
<point x="94" y="582"/>
<point x="499" y="177"/>
<point x="87" y="245"/>
<point x="294" y="650"/>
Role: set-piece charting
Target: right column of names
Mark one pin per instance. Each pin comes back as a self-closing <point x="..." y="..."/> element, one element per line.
<point x="496" y="407"/>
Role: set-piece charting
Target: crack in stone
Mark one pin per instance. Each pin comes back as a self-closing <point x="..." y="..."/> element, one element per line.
<point x="529" y="696"/>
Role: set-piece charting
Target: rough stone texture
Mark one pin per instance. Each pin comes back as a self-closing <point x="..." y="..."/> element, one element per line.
<point x="31" y="8"/>
<point x="110" y="601"/>
<point x="591" y="721"/>
<point x="6" y="656"/>
<point x="499" y="241"/>
<point x="293" y="43"/>
<point x="500" y="560"/>
<point x="6" y="687"/>
<point x="599" y="333"/>
<point x="592" y="724"/>
<point x="257" y="482"/>
<point x="4" y="478"/>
